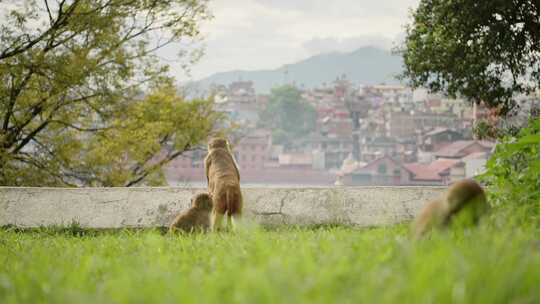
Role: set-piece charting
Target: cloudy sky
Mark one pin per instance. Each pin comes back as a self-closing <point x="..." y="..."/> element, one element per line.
<point x="265" y="34"/>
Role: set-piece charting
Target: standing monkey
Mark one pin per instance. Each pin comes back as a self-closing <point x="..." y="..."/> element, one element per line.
<point x="464" y="199"/>
<point x="196" y="218"/>
<point x="223" y="182"/>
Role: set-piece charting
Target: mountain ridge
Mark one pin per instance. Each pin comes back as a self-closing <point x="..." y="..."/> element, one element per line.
<point x="366" y="65"/>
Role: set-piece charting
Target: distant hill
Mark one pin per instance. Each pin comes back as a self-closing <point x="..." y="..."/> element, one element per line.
<point x="368" y="65"/>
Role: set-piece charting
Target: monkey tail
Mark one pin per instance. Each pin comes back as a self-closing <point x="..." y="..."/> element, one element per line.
<point x="228" y="202"/>
<point x="233" y="200"/>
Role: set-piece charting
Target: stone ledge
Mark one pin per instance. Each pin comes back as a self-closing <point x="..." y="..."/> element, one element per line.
<point x="156" y="207"/>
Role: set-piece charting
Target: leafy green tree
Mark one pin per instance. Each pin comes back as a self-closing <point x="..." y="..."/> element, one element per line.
<point x="72" y="79"/>
<point x="288" y="115"/>
<point x="484" y="50"/>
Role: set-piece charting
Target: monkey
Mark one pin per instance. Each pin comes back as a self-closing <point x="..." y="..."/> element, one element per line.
<point x="464" y="201"/>
<point x="223" y="179"/>
<point x="196" y="218"/>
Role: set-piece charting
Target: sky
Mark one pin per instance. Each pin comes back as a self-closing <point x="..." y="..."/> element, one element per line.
<point x="266" y="34"/>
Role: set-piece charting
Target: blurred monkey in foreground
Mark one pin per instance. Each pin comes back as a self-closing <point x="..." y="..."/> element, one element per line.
<point x="464" y="201"/>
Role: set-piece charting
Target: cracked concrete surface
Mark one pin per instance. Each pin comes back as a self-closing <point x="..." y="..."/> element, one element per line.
<point x="154" y="207"/>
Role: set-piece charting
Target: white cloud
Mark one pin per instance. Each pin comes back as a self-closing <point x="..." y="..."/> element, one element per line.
<point x="264" y="34"/>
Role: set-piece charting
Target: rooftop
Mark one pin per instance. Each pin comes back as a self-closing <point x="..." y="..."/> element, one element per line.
<point x="455" y="149"/>
<point x="430" y="171"/>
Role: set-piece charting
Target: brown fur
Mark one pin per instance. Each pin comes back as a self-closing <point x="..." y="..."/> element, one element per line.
<point x="196" y="218"/>
<point x="223" y="182"/>
<point x="440" y="212"/>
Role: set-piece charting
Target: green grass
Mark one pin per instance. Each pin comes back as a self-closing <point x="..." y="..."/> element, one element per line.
<point x="323" y="265"/>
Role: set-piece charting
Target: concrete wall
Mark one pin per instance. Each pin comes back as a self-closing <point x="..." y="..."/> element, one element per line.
<point x="151" y="207"/>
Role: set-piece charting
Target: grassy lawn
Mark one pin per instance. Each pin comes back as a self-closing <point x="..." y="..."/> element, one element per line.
<point x="323" y="265"/>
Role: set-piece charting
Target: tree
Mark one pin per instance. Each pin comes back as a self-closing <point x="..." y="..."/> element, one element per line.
<point x="484" y="50"/>
<point x="287" y="115"/>
<point x="73" y="76"/>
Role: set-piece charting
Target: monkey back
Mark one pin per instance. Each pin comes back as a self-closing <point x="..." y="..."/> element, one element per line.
<point x="464" y="192"/>
<point x="221" y="165"/>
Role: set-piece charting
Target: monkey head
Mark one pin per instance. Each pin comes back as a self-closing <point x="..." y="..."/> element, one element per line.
<point x="218" y="142"/>
<point x="202" y="201"/>
<point x="463" y="193"/>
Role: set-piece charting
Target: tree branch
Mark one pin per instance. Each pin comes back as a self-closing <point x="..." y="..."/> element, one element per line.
<point x="61" y="20"/>
<point x="160" y="164"/>
<point x="14" y="94"/>
<point x="49" y="12"/>
<point x="63" y="123"/>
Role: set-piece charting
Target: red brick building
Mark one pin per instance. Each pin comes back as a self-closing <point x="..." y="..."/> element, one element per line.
<point x="253" y="150"/>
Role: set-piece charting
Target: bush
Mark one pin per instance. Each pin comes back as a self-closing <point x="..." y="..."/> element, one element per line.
<point x="513" y="175"/>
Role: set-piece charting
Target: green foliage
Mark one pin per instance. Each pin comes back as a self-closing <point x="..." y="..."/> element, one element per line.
<point x="489" y="130"/>
<point x="326" y="265"/>
<point x="72" y="74"/>
<point x="484" y="130"/>
<point x="483" y="50"/>
<point x="132" y="146"/>
<point x="513" y="175"/>
<point x="146" y="135"/>
<point x="288" y="115"/>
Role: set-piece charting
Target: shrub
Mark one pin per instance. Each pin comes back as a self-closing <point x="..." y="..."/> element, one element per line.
<point x="513" y="175"/>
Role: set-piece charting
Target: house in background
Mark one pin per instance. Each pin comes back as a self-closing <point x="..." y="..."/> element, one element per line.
<point x="378" y="147"/>
<point x="462" y="148"/>
<point x="475" y="164"/>
<point x="382" y="171"/>
<point x="331" y="150"/>
<point x="253" y="150"/>
<point x="296" y="160"/>
<point x="438" y="138"/>
<point x="439" y="172"/>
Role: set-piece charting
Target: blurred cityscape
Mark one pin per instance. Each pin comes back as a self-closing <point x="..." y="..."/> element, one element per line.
<point x="364" y="135"/>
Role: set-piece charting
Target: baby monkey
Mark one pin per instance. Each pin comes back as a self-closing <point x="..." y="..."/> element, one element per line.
<point x="196" y="218"/>
<point x="464" y="202"/>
